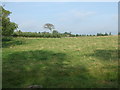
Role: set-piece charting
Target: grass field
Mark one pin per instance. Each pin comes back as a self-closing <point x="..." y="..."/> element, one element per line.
<point x="83" y="62"/>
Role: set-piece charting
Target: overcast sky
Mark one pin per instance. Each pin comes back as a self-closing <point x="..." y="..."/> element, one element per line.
<point x="75" y="17"/>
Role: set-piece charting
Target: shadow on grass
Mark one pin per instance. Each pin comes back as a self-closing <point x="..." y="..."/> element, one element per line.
<point x="26" y="66"/>
<point x="7" y="44"/>
<point x="21" y="69"/>
<point x="46" y="68"/>
<point x="105" y="54"/>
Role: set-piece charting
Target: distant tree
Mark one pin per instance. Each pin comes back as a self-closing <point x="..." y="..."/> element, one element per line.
<point x="110" y="33"/>
<point x="99" y="34"/>
<point x="105" y="34"/>
<point x="49" y="26"/>
<point x="83" y="35"/>
<point x="19" y="32"/>
<point x="68" y="33"/>
<point x="118" y="33"/>
<point x="55" y="32"/>
<point x="65" y="32"/>
<point x="45" y="32"/>
<point x="77" y="35"/>
<point x="8" y="27"/>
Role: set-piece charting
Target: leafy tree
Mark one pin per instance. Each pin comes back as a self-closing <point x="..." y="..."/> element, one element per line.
<point x="105" y="34"/>
<point x="8" y="27"/>
<point x="110" y="33"/>
<point x="67" y="34"/>
<point x="77" y="35"/>
<point x="49" y="26"/>
<point x="55" y="32"/>
<point x="118" y="33"/>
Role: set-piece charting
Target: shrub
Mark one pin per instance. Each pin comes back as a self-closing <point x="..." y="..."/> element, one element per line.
<point x="6" y="38"/>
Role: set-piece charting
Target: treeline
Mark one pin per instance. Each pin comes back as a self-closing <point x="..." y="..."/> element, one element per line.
<point x="118" y="33"/>
<point x="105" y="34"/>
<point x="54" y="34"/>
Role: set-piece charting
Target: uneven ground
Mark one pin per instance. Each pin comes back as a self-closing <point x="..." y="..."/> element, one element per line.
<point x="84" y="62"/>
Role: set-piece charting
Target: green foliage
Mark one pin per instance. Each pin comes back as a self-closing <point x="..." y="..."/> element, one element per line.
<point x="4" y="13"/>
<point x="110" y="33"/>
<point x="8" y="27"/>
<point x="118" y="33"/>
<point x="35" y="34"/>
<point x="8" y="42"/>
<point x="6" y="38"/>
<point x="101" y="34"/>
<point x="67" y="34"/>
<point x="77" y="35"/>
<point x="54" y="34"/>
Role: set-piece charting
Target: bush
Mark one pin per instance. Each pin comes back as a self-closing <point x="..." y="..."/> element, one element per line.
<point x="6" y="38"/>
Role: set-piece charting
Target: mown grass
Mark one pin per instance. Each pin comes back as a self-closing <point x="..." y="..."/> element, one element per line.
<point x="84" y="62"/>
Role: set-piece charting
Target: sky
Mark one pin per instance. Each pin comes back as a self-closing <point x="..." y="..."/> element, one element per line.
<point x="60" y="0"/>
<point x="75" y="17"/>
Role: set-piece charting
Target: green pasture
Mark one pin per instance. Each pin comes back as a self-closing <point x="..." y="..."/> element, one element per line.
<point x="80" y="62"/>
